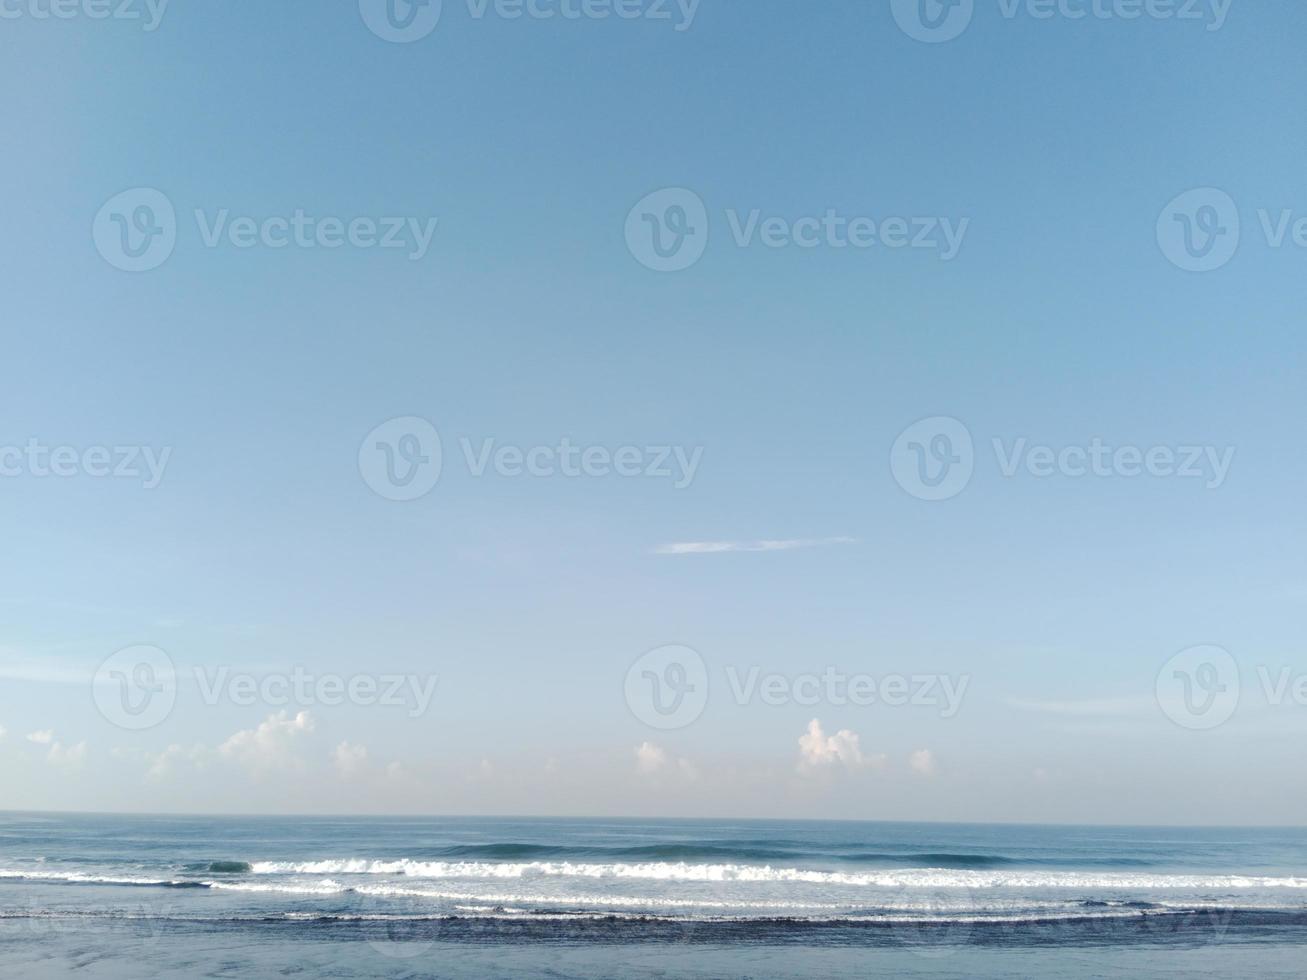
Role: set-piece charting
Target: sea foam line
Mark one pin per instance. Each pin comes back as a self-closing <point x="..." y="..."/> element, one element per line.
<point x="78" y="878"/>
<point x="616" y="901"/>
<point x="682" y="871"/>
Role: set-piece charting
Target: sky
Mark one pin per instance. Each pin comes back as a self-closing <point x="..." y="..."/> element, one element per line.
<point x="749" y="410"/>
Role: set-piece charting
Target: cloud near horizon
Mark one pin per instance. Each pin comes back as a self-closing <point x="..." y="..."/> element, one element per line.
<point x="271" y="745"/>
<point x="922" y="762"/>
<point x="59" y="754"/>
<point x="651" y="759"/>
<point x="349" y="759"/>
<point x="817" y="750"/>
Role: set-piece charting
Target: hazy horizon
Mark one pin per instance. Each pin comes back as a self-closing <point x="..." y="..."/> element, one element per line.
<point x="363" y="815"/>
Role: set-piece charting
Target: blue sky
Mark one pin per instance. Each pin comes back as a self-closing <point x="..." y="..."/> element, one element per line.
<point x="793" y="370"/>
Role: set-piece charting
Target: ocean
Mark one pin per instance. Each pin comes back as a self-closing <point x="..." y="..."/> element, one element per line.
<point x="139" y="897"/>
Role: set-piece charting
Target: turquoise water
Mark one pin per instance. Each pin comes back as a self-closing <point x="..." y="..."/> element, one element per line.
<point x="141" y="896"/>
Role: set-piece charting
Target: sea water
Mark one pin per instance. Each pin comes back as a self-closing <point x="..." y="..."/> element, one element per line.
<point x="124" y="896"/>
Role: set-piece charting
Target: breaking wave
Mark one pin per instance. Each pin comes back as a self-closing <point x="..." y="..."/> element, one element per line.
<point x="684" y="871"/>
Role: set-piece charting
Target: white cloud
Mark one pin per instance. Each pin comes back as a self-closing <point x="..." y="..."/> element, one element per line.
<point x="350" y="759"/>
<point x="922" y="762"/>
<point x="723" y="547"/>
<point x="271" y="745"/>
<point x="3" y="731"/>
<point x="70" y="756"/>
<point x="166" y="762"/>
<point x="817" y="750"/>
<point x="395" y="771"/>
<point x="649" y="758"/>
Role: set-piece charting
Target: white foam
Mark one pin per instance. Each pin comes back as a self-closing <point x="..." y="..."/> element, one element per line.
<point x="324" y="887"/>
<point x="331" y="887"/>
<point x="75" y="877"/>
<point x="605" y="901"/>
<point x="682" y="871"/>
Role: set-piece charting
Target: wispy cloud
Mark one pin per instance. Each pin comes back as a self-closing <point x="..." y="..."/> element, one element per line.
<point x="71" y="756"/>
<point x="173" y="757"/>
<point x="651" y="759"/>
<point x="18" y="666"/>
<point x="59" y="754"/>
<point x="350" y="759"/>
<point x="922" y="762"/>
<point x="723" y="547"/>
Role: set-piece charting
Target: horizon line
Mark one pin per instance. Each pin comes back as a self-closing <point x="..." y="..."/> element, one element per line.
<point x="292" y="815"/>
